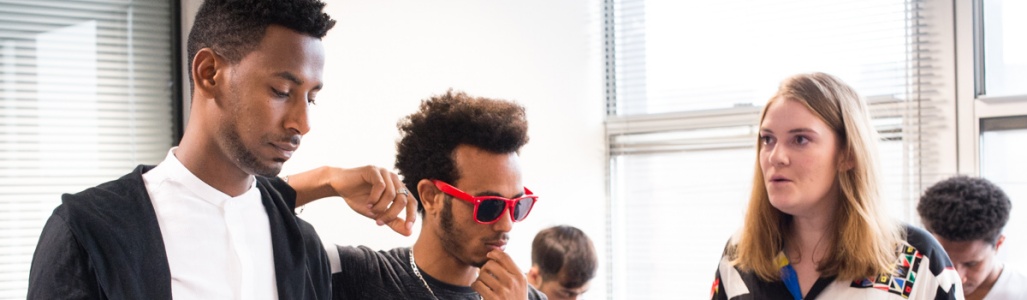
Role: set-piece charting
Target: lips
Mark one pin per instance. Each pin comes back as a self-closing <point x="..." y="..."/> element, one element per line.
<point x="496" y="245"/>
<point x="286" y="148"/>
<point x="779" y="179"/>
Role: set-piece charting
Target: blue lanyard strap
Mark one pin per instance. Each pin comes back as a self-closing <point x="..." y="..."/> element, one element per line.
<point x="788" y="275"/>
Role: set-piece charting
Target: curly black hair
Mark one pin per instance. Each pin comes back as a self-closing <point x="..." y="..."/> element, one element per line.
<point x="429" y="136"/>
<point x="963" y="208"/>
<point x="233" y="28"/>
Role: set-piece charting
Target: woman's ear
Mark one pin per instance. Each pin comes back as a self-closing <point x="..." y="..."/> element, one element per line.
<point x="427" y="191"/>
<point x="846" y="162"/>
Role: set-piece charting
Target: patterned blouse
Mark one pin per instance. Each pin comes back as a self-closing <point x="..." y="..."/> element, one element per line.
<point x="923" y="271"/>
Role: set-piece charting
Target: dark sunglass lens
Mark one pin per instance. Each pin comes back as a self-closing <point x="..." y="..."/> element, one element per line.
<point x="522" y="208"/>
<point x="490" y="210"/>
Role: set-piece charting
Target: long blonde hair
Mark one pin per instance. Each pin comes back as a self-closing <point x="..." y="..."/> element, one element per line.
<point x="866" y="238"/>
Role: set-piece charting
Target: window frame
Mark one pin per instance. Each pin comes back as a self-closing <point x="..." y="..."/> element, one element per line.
<point x="945" y="28"/>
<point x="972" y="102"/>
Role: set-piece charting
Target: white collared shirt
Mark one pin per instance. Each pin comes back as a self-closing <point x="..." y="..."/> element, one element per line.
<point x="218" y="246"/>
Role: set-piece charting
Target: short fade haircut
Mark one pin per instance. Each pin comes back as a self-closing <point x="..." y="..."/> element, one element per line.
<point x="564" y="250"/>
<point x="963" y="208"/>
<point x="429" y="136"/>
<point x="233" y="28"/>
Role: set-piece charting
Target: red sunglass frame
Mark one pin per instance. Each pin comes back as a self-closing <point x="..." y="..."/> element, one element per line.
<point x="510" y="204"/>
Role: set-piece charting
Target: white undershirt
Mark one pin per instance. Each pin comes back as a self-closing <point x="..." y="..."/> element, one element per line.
<point x="1010" y="285"/>
<point x="218" y="247"/>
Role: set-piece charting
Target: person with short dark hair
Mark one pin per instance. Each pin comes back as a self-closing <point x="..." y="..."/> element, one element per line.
<point x="563" y="262"/>
<point x="212" y="220"/>
<point x="966" y="215"/>
<point x="460" y="154"/>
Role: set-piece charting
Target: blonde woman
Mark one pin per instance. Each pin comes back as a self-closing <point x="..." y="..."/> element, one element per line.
<point x="815" y="226"/>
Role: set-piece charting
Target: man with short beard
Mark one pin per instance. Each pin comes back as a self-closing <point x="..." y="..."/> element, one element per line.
<point x="212" y="221"/>
<point x="459" y="153"/>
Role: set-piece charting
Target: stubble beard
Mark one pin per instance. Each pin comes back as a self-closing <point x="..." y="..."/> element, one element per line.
<point x="242" y="157"/>
<point x="451" y="236"/>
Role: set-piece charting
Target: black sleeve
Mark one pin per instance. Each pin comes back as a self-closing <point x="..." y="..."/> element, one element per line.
<point x="356" y="263"/>
<point x="288" y="193"/>
<point x="942" y="295"/>
<point x="60" y="266"/>
<point x="935" y="253"/>
<point x="319" y="269"/>
<point x="369" y="274"/>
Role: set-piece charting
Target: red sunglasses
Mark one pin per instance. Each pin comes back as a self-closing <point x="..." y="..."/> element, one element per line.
<point x="488" y="209"/>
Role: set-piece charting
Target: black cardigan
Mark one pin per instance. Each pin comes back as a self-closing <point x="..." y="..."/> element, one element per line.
<point x="105" y="243"/>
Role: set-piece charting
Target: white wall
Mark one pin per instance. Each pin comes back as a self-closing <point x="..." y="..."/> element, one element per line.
<point x="383" y="57"/>
<point x="188" y="9"/>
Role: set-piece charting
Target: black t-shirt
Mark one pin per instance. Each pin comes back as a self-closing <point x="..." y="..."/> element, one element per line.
<point x="369" y="274"/>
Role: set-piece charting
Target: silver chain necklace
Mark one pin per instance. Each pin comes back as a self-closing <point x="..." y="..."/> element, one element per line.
<point x="418" y="273"/>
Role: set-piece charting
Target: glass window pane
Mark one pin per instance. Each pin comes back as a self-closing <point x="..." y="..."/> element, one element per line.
<point x="1005" y="47"/>
<point x="696" y="55"/>
<point x="676" y="211"/>
<point x="1003" y="162"/>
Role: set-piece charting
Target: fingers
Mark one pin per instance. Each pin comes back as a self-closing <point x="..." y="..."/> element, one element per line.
<point x="379" y="187"/>
<point x="395" y="205"/>
<point x="500" y="278"/>
<point x="411" y="213"/>
<point x="504" y="261"/>
<point x="375" y="195"/>
<point x="380" y="204"/>
<point x="484" y="290"/>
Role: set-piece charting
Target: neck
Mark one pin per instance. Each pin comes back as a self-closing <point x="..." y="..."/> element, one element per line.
<point x="200" y="154"/>
<point x="988" y="283"/>
<point x="433" y="259"/>
<point x="810" y="237"/>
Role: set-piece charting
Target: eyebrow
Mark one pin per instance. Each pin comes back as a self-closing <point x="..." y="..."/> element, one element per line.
<point x="494" y="194"/>
<point x="290" y="77"/>
<point x="796" y="130"/>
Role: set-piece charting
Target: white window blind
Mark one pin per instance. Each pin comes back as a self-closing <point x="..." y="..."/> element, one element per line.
<point x="685" y="84"/>
<point x="85" y="96"/>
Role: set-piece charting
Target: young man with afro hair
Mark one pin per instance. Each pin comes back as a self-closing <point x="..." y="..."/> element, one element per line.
<point x="212" y="221"/>
<point x="459" y="156"/>
<point x="967" y="215"/>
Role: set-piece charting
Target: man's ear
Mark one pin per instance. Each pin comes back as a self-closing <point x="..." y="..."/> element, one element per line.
<point x="207" y="71"/>
<point x="998" y="242"/>
<point x="427" y="191"/>
<point x="534" y="278"/>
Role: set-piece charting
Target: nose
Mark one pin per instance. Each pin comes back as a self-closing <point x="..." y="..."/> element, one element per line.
<point x="296" y="120"/>
<point x="778" y="156"/>
<point x="504" y="224"/>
